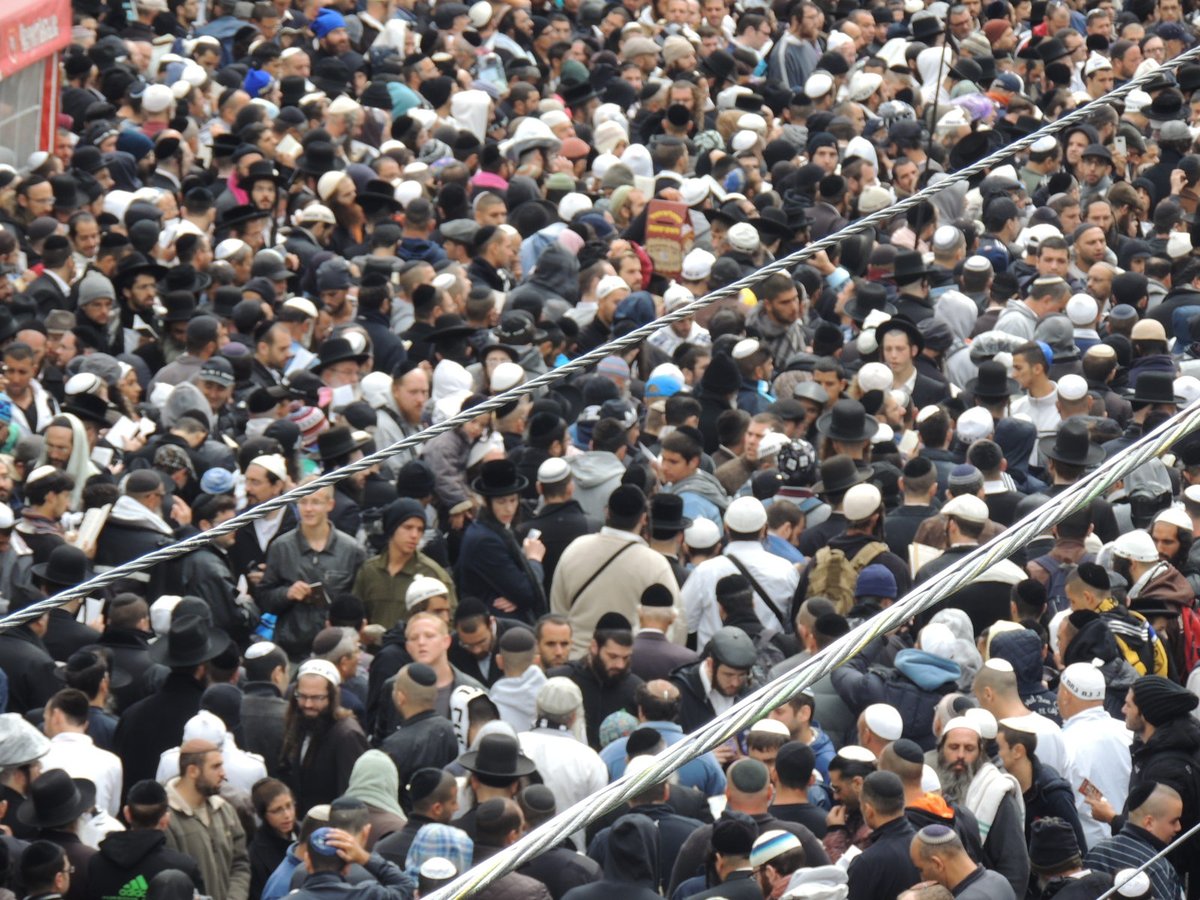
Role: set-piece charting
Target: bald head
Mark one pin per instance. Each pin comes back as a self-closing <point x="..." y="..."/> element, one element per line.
<point x="1160" y="803"/>
<point x="937" y="841"/>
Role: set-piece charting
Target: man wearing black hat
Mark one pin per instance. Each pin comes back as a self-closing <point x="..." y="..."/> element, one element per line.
<point x="901" y="343"/>
<point x="129" y="859"/>
<point x="156" y="723"/>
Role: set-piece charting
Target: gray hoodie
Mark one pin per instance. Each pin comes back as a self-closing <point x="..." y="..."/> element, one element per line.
<point x="597" y="474"/>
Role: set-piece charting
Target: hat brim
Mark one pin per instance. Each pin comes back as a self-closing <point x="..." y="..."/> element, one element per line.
<point x="359" y="358"/>
<point x="683" y="523"/>
<point x="499" y="490"/>
<point x="470" y="762"/>
<point x="859" y="315"/>
<point x="214" y="646"/>
<point x="914" y="334"/>
<point x="769" y="229"/>
<point x="120" y="279"/>
<point x="1011" y="389"/>
<point x="201" y="281"/>
<point x="825" y="427"/>
<point x="374" y="202"/>
<point x="1132" y="396"/>
<point x="355" y="444"/>
<point x="860" y="475"/>
<point x="309" y="167"/>
<point x="42" y="572"/>
<point x="27" y="813"/>
<point x="451" y="333"/>
<point x="1095" y="454"/>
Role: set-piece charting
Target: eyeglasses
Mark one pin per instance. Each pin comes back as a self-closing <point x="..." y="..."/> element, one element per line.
<point x="69" y="870"/>
<point x="312" y="698"/>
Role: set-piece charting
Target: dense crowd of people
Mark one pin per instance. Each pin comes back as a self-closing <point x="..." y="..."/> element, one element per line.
<point x="273" y="237"/>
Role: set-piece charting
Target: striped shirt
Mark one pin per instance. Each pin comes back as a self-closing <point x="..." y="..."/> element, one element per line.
<point x="1128" y="850"/>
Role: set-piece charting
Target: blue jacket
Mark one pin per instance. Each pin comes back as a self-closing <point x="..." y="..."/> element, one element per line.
<point x="913" y="687"/>
<point x="422" y="249"/>
<point x="390" y="884"/>
<point x="703" y="773"/>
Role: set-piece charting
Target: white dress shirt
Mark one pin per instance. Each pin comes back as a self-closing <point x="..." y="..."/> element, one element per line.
<point x="79" y="757"/>
<point x="775" y="575"/>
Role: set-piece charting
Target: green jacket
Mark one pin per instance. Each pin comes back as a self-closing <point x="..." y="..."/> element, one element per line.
<point x="382" y="594"/>
<point x="219" y="847"/>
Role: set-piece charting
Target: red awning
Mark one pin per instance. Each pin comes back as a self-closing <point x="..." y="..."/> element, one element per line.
<point x="31" y="30"/>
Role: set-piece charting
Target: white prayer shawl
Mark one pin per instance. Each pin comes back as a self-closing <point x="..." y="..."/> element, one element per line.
<point x="986" y="793"/>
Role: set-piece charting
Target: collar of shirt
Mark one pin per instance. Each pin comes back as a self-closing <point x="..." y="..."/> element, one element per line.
<point x="623" y="535"/>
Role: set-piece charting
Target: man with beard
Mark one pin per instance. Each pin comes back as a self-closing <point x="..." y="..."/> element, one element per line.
<point x="1166" y="751"/>
<point x="203" y="826"/>
<point x="321" y="741"/>
<point x="994" y="797"/>
<point x="47" y="497"/>
<point x="266" y="478"/>
<point x="716" y="682"/>
<point x="846" y="826"/>
<point x="603" y="676"/>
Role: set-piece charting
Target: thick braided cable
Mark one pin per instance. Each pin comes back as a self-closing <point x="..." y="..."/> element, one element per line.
<point x="182" y="548"/>
<point x="1179" y="839"/>
<point x="762" y="701"/>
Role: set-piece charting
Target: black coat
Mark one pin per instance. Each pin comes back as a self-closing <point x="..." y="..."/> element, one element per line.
<point x="986" y="602"/>
<point x="673" y="831"/>
<point x="425" y="740"/>
<point x="599" y="701"/>
<point x="120" y="541"/>
<point x="885" y="868"/>
<point x="65" y="634"/>
<point x="901" y="524"/>
<point x="30" y="670"/>
<point x="694" y="708"/>
<point x="155" y="724"/>
<point x="324" y="772"/>
<point x="266" y="852"/>
<point x="131" y="655"/>
<point x="1172" y="757"/>
<point x="1050" y="796"/>
<point x="491" y="564"/>
<point x="126" y="856"/>
<point x="740" y="885"/>
<point x="247" y="554"/>
<point x="560" y="524"/>
<point x="263" y="712"/>
<point x="386" y="346"/>
<point x="560" y="869"/>
<point x="656" y="657"/>
<point x="207" y="575"/>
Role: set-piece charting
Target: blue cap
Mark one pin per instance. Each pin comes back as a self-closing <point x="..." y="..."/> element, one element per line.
<point x="1007" y="81"/>
<point x="326" y="21"/>
<point x="1047" y="353"/>
<point x="875" y="580"/>
<point x="255" y="81"/>
<point x="217" y="481"/>
<point x="5" y="409"/>
<point x="318" y="842"/>
<point x="661" y="386"/>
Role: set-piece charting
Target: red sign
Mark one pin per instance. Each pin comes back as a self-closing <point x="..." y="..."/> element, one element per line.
<point x="31" y="30"/>
<point x="669" y="236"/>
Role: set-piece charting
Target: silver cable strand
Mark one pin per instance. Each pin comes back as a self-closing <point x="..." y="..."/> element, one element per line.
<point x="756" y="705"/>
<point x="1179" y="839"/>
<point x="182" y="548"/>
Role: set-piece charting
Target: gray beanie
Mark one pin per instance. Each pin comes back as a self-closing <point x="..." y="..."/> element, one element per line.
<point x="95" y="286"/>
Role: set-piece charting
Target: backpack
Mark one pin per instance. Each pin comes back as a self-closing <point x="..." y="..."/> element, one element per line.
<point x="834" y="576"/>
<point x="1056" y="590"/>
<point x="1189" y="627"/>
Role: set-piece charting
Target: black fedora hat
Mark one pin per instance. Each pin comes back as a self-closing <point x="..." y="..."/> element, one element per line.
<point x="133" y="265"/>
<point x="847" y="421"/>
<point x="772" y="225"/>
<point x="66" y="566"/>
<point x="1157" y="388"/>
<point x="190" y="642"/>
<point x="926" y="28"/>
<point x="1165" y="107"/>
<point x="974" y="147"/>
<point x="499" y="478"/>
<point x="666" y="513"/>
<point x="450" y="327"/>
<point x="840" y="473"/>
<point x="68" y="196"/>
<point x="915" y="338"/>
<point x="90" y="408"/>
<point x="909" y="266"/>
<point x="577" y="94"/>
<point x="378" y="194"/>
<point x="263" y="170"/>
<point x="869" y="296"/>
<point x="498" y="756"/>
<point x="719" y="65"/>
<point x="56" y="799"/>
<point x="730" y="213"/>
<point x="336" y="350"/>
<point x="1051" y="49"/>
<point x="180" y="306"/>
<point x="241" y="215"/>
<point x="992" y="382"/>
<point x="1072" y="445"/>
<point x="185" y="278"/>
<point x="318" y="158"/>
<point x="338" y="442"/>
<point x="516" y="328"/>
